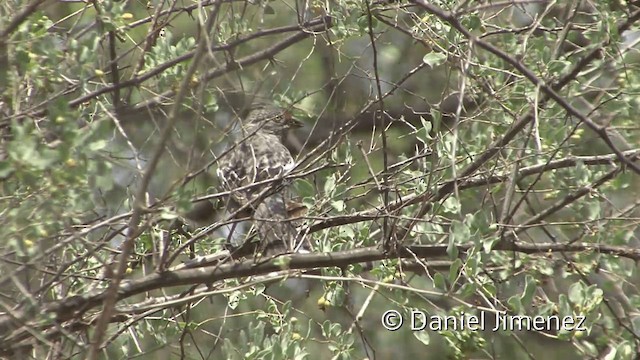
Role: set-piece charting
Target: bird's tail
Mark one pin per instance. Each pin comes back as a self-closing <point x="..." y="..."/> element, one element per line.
<point x="277" y="234"/>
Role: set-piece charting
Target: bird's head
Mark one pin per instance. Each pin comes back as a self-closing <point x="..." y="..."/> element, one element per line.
<point x="271" y="119"/>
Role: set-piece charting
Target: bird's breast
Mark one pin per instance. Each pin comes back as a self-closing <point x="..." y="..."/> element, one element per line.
<point x="258" y="158"/>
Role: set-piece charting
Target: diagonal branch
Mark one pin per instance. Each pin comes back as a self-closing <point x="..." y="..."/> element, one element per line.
<point x="141" y="194"/>
<point x="549" y="90"/>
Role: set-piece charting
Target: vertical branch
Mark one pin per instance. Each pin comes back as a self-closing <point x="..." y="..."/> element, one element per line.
<point x="111" y="294"/>
<point x="115" y="75"/>
<point x="4" y="67"/>
<point x="381" y="119"/>
<point x="152" y="36"/>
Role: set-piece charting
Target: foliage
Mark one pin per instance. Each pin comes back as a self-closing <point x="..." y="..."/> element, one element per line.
<point x="459" y="160"/>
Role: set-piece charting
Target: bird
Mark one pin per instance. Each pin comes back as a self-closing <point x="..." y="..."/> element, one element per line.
<point x="257" y="156"/>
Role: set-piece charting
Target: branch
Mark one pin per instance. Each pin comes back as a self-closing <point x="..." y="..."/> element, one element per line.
<point x="550" y="91"/>
<point x="481" y="179"/>
<point x="141" y="193"/>
<point x="19" y="18"/>
<point x="74" y="307"/>
<point x="265" y="54"/>
<point x="314" y="25"/>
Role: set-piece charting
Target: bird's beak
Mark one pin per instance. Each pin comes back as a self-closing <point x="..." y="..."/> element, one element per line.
<point x="295" y="123"/>
<point x="292" y="122"/>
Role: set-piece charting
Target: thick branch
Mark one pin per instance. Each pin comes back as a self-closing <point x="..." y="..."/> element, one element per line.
<point x="70" y="308"/>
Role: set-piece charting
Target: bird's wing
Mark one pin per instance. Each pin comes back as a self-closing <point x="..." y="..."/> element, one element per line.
<point x="256" y="159"/>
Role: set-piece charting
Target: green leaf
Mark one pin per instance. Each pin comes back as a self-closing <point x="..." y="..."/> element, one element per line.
<point x="338" y="205"/>
<point x="330" y="185"/>
<point x="454" y="270"/>
<point x="422" y="336"/>
<point x="433" y="59"/>
<point x="576" y="295"/>
<point x="467" y="290"/>
<point x="347" y="232"/>
<point x="474" y="22"/>
<point x="529" y="290"/>
<point x="436" y="119"/>
<point x="564" y="308"/>
<point x="451" y="205"/>
<point x="326" y="328"/>
<point x="515" y="305"/>
<point x="594" y="298"/>
<point x="424" y="133"/>
<point x="5" y="169"/>
<point x="97" y="145"/>
<point x="439" y="282"/>
<point x="259" y="289"/>
<point x="452" y="249"/>
<point x="488" y="244"/>
<point x="269" y="10"/>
